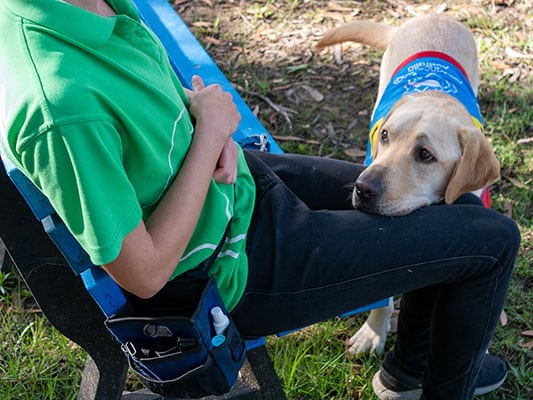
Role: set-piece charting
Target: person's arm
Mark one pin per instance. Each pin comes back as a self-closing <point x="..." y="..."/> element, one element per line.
<point x="151" y="252"/>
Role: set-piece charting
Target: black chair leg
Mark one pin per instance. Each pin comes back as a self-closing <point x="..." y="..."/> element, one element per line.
<point x="105" y="380"/>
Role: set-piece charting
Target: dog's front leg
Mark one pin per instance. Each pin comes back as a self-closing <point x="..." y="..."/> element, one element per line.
<point x="373" y="334"/>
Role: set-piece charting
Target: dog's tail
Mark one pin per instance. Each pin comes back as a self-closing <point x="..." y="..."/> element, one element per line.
<point x="370" y="33"/>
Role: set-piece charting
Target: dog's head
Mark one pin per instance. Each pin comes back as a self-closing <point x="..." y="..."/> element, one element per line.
<point x="428" y="149"/>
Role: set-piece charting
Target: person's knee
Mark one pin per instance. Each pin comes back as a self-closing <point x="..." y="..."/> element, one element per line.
<point x="508" y="231"/>
<point x="506" y="237"/>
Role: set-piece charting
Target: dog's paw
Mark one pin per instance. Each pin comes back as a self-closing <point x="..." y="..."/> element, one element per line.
<point x="366" y="340"/>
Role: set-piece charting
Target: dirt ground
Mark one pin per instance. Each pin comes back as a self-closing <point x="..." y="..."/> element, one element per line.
<point x="321" y="102"/>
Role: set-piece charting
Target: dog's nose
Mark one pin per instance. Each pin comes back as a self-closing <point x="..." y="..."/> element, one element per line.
<point x="368" y="188"/>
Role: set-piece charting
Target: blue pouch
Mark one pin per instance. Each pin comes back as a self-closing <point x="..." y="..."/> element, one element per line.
<point x="171" y="343"/>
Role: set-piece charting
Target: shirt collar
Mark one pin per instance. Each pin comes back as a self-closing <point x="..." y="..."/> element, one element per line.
<point x="74" y="22"/>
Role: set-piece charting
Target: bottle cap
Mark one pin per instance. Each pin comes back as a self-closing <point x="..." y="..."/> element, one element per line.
<point x="218" y="340"/>
<point x="220" y="320"/>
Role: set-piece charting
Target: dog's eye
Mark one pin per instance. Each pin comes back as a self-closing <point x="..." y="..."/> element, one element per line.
<point x="384" y="136"/>
<point x="425" y="156"/>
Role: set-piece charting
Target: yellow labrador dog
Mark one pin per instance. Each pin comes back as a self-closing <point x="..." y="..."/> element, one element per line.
<point x="425" y="142"/>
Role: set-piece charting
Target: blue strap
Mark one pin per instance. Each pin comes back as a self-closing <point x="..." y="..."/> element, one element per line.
<point x="106" y="293"/>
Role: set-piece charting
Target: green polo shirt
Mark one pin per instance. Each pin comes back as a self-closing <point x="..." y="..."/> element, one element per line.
<point x="92" y="112"/>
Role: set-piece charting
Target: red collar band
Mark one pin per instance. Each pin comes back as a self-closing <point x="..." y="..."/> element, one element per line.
<point x="434" y="54"/>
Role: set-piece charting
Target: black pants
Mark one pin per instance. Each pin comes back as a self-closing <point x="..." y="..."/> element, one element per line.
<point x="313" y="257"/>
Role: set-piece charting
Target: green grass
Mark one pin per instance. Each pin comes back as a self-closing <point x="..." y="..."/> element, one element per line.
<point x="312" y="365"/>
<point x="36" y="362"/>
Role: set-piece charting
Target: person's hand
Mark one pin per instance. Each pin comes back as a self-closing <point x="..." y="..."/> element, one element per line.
<point x="215" y="112"/>
<point x="150" y="252"/>
<point x="216" y="119"/>
<point x="226" y="171"/>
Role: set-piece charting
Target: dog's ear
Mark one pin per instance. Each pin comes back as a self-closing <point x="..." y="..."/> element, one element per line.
<point x="476" y="168"/>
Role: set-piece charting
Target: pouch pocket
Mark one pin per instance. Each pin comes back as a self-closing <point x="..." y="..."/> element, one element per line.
<point x="214" y="376"/>
<point x="231" y="352"/>
<point x="205" y="379"/>
<point x="181" y="356"/>
<point x="165" y="365"/>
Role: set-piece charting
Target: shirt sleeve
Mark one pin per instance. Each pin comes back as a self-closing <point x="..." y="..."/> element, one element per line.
<point x="79" y="168"/>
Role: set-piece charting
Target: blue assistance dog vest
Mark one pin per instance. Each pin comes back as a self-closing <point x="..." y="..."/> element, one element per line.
<point x="425" y="71"/>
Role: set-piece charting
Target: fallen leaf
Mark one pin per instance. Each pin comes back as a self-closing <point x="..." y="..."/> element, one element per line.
<point x="295" y="139"/>
<point x="354" y="152"/>
<point x="212" y="40"/>
<point x="273" y="118"/>
<point x="72" y="345"/>
<point x="334" y="15"/>
<point x="336" y="7"/>
<point x="440" y="9"/>
<point x="525" y="140"/>
<point x="394" y="320"/>
<point x="424" y="7"/>
<point x="393" y="325"/>
<point x="513" y="53"/>
<point x="337" y="51"/>
<point x="315" y="94"/>
<point x="256" y="110"/>
<point x="260" y="31"/>
<point x="202" y="24"/>
<point x="282" y="87"/>
<point x="527" y="333"/>
<point x="32" y="311"/>
<point x="515" y="182"/>
<point x="503" y="318"/>
<point x="353" y="124"/>
<point x="528" y="345"/>
<point x="507" y="209"/>
<point x="499" y="65"/>
<point x="332" y="66"/>
<point x="324" y="77"/>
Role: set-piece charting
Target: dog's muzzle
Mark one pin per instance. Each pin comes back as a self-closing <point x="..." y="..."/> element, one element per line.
<point x="368" y="190"/>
